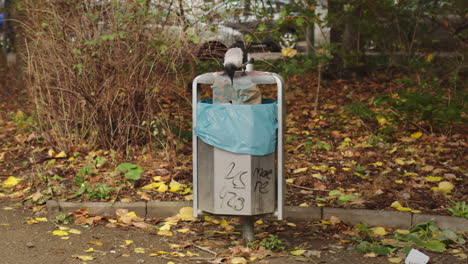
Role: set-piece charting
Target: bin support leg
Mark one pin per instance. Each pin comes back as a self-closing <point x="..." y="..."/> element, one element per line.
<point x="247" y="223"/>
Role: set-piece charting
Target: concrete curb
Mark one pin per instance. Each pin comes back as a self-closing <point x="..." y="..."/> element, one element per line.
<point x="393" y="219"/>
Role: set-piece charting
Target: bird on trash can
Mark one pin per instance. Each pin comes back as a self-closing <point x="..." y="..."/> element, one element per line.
<point x="235" y="59"/>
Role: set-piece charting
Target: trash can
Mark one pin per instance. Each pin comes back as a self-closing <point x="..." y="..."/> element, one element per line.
<point x="238" y="150"/>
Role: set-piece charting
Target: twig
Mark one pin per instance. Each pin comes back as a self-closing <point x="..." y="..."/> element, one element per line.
<point x="306" y="188"/>
<point x="206" y="249"/>
<point x="318" y="87"/>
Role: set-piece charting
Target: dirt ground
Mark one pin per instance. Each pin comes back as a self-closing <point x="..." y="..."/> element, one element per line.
<point x="24" y="243"/>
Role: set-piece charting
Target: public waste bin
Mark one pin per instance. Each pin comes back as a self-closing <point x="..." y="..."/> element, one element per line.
<point x="238" y="147"/>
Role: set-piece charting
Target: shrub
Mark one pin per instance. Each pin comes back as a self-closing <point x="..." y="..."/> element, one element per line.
<point x="95" y="69"/>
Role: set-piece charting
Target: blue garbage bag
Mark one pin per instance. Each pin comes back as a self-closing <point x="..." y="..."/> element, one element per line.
<point x="243" y="129"/>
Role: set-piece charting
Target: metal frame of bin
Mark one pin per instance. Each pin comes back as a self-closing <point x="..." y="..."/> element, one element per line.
<point x="256" y="77"/>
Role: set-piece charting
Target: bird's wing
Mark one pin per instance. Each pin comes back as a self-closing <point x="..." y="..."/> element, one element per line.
<point x="234" y="56"/>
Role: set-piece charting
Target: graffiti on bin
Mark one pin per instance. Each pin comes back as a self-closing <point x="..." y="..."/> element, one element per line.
<point x="229" y="194"/>
<point x="263" y="178"/>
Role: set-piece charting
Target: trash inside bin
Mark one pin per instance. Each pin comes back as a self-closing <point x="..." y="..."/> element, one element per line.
<point x="242" y="129"/>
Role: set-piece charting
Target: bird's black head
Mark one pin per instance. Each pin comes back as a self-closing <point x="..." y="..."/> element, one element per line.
<point x="230" y="70"/>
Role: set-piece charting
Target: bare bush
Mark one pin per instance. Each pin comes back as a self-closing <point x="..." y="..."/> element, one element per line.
<point x="95" y="69"/>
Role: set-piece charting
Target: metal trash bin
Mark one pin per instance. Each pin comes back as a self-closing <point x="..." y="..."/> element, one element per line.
<point x="226" y="183"/>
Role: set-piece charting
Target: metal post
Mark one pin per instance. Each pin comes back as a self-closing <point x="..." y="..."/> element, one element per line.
<point x="247" y="222"/>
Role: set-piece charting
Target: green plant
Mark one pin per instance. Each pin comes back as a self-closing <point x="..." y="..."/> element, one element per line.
<point x="101" y="191"/>
<point x="426" y="235"/>
<point x="341" y="197"/>
<point x="459" y="209"/>
<point x="22" y="121"/>
<point x="61" y="218"/>
<point x="272" y="243"/>
<point x="132" y="171"/>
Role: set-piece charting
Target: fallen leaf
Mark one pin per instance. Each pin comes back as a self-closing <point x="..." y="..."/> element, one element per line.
<point x="97" y="243"/>
<point x="402" y="231"/>
<point x="297" y="252"/>
<point x="288" y="52"/>
<point x="445" y="186"/>
<point x="183" y="230"/>
<point x="304" y="205"/>
<point x="176" y="186"/>
<point x="165" y="233"/>
<point x="290" y="180"/>
<point x="89" y="250"/>
<point x="74" y="231"/>
<point x="300" y="170"/>
<point x="60" y="233"/>
<point x="380" y="231"/>
<point x="163" y="187"/>
<point x="238" y="260"/>
<point x="395" y="260"/>
<point x="139" y="250"/>
<point x="433" y="178"/>
<point x="62" y="154"/>
<point x="334" y="220"/>
<point x="400" y="162"/>
<point x="186" y="214"/>
<point x="128" y="242"/>
<point x="83" y="257"/>
<point x="41" y="219"/>
<point x="370" y="255"/>
<point x="417" y="134"/>
<point x="11" y="181"/>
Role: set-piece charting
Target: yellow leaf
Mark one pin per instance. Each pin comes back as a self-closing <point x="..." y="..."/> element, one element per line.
<point x="370" y="255"/>
<point x="164" y="233"/>
<point x="188" y="197"/>
<point x="297" y="252"/>
<point x="304" y="205"/>
<point x="174" y="246"/>
<point x="74" y="231"/>
<point x="131" y="214"/>
<point x="89" y="250"/>
<point x="288" y="52"/>
<point x="170" y="262"/>
<point x="183" y="230"/>
<point x="400" y="162"/>
<point x="11" y="181"/>
<point x="166" y="226"/>
<point x="291" y="224"/>
<point x="399" y="181"/>
<point x="321" y="204"/>
<point x="346" y="169"/>
<point x="139" y="250"/>
<point x="64" y="228"/>
<point x="238" y="260"/>
<point x="433" y="178"/>
<point x="157" y="178"/>
<point x="399" y="207"/>
<point x="175" y="186"/>
<point x="379" y="231"/>
<point x="65" y="238"/>
<point x="429" y="57"/>
<point x="41" y="219"/>
<point x="60" y="233"/>
<point x="83" y="257"/>
<point x="415" y="211"/>
<point x="446" y="186"/>
<point x="290" y="180"/>
<point x="382" y="120"/>
<point x="162" y="188"/>
<point x="378" y="163"/>
<point x="128" y="242"/>
<point x="259" y="222"/>
<point x="300" y="170"/>
<point x="51" y="153"/>
<point x="62" y="154"/>
<point x="402" y="231"/>
<point x="186" y="214"/>
<point x="32" y="221"/>
<point x="395" y="260"/>
<point x="190" y="254"/>
<point x="224" y="223"/>
<point x="152" y="186"/>
<point x="416" y="135"/>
